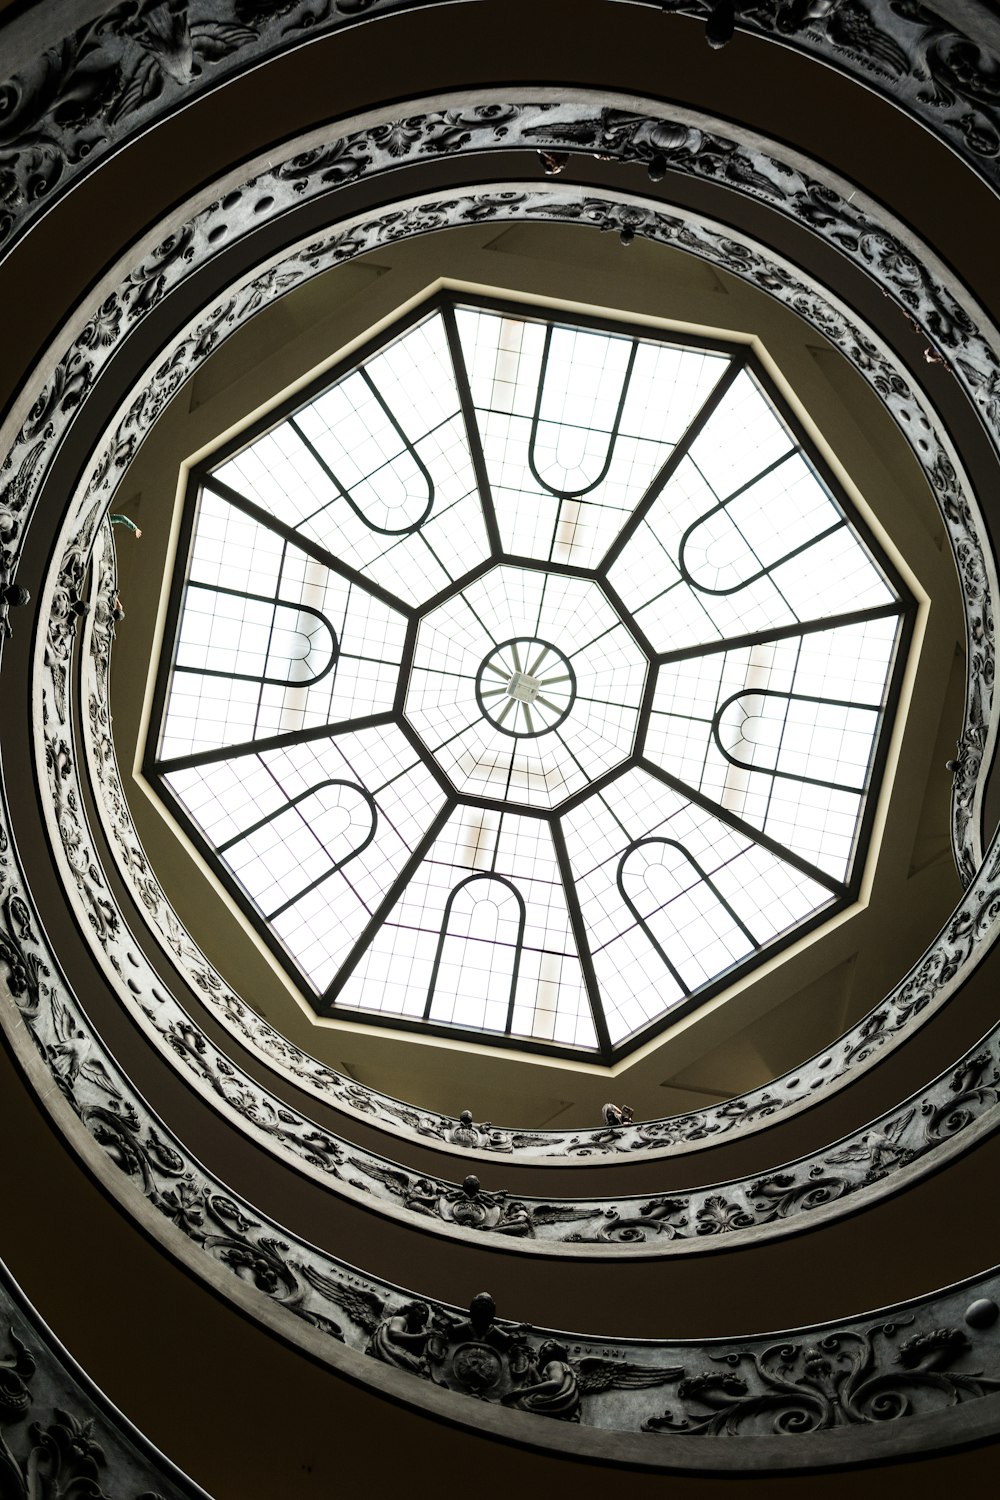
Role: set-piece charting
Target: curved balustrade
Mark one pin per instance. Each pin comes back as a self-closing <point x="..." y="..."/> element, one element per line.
<point x="916" y="1136"/>
<point x="920" y="1375"/>
<point x="914" y="1361"/>
<point x="939" y="972"/>
<point x="59" y="1434"/>
<point x="937" y="61"/>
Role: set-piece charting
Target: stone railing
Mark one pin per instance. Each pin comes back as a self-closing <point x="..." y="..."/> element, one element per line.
<point x="946" y="315"/>
<point x="59" y="1435"/>
<point x="124" y="72"/>
<point x="915" y="1137"/>
<point x="932" y="1359"/>
<point x="785" y="1391"/>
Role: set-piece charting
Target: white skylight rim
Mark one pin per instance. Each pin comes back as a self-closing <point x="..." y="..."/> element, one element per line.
<point x="529" y="678"/>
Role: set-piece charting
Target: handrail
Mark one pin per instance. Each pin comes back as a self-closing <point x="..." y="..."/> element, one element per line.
<point x="633" y="135"/>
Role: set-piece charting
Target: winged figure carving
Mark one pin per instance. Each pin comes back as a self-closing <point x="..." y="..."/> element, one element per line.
<point x="877" y="1146"/>
<point x="364" y="1308"/>
<point x="393" y="1178"/>
<point x="853" y="29"/>
<point x="596" y="1374"/>
<point x="561" y="1213"/>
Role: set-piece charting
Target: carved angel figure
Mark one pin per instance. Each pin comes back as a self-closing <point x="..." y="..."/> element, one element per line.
<point x="880" y="1148"/>
<point x="401" y="1340"/>
<point x="562" y="1383"/>
<point x="398" y="1338"/>
<point x="556" y="1393"/>
<point x="12" y="595"/>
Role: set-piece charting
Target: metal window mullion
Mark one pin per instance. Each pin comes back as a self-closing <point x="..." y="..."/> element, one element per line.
<point x="773" y="771"/>
<point x="405" y="665"/>
<point x="385" y="906"/>
<point x="762" y="572"/>
<point x="628" y="620"/>
<point x="720" y="710"/>
<point x="344" y="491"/>
<point x="270" y="637"/>
<point x="543" y="484"/>
<point x="579" y="931"/>
<point x="755" y="835"/>
<point x="709" y="407"/>
<point x="454" y="588"/>
<point x="272" y="742"/>
<point x="429" y="760"/>
<point x="310" y="548"/>
<point x="472" y="433"/>
<point x="779" y="633"/>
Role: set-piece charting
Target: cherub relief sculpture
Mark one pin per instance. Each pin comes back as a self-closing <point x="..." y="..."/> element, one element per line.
<point x="402" y="1340"/>
<point x="555" y="1392"/>
<point x="479" y="1357"/>
<point x="12" y="595"/>
<point x="470" y="1205"/>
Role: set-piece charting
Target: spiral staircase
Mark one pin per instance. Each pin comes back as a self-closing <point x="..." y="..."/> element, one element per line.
<point x="251" y="1250"/>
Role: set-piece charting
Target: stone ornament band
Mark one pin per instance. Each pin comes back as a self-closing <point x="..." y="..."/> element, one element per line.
<point x="918" y="1135"/>
<point x="843" y="1357"/>
<point x="124" y="78"/>
<point x="912" y="997"/>
<point x="526" y="687"/>
<point x="58" y="1433"/>
<point x="919" y="1360"/>
<point x="683" y="1221"/>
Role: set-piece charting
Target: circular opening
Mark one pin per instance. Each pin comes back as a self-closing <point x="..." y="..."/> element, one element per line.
<point x="526" y="686"/>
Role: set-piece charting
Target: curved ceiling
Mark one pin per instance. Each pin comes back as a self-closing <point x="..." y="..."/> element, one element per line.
<point x="150" y="276"/>
<point x="880" y="468"/>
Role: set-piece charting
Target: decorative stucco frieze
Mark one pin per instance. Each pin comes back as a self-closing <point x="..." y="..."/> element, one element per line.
<point x="87" y="93"/>
<point x="913" y="1362"/>
<point x="60" y="1437"/>
<point x="916" y="1136"/>
<point x="953" y="324"/>
<point x="642" y="136"/>
<point x="909" y="1362"/>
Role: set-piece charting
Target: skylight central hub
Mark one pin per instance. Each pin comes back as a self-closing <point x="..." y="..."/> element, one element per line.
<point x="522" y="688"/>
<point x="526" y="685"/>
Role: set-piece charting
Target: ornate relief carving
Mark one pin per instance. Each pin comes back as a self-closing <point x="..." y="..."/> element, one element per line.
<point x="58" y="1439"/>
<point x="963" y="1097"/>
<point x="625" y="1222"/>
<point x="655" y="1136"/>
<point x="844" y="1378"/>
<point x="532" y="1370"/>
<point x="256" y="1250"/>
<point x="93" y="90"/>
<point x="638" y="135"/>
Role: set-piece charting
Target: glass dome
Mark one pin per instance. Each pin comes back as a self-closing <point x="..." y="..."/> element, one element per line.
<point x="527" y="676"/>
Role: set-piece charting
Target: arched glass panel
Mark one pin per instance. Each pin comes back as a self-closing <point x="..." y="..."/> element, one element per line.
<point x="392" y="491"/>
<point x="474" y="978"/>
<point x="802" y="738"/>
<point x="302" y="843"/>
<point x="578" y="409"/>
<point x="251" y="638"/>
<point x="780" y="514"/>
<point x="680" y="909"/>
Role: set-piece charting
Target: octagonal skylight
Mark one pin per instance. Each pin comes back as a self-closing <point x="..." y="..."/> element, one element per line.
<point x="527" y="677"/>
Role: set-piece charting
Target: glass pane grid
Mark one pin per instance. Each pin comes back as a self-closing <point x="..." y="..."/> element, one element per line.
<point x="524" y="687"/>
<point x="782" y="734"/>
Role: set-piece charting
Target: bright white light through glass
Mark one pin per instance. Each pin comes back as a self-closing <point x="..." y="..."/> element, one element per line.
<point x="528" y="678"/>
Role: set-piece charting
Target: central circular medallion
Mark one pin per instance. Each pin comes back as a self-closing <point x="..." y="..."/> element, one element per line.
<point x="506" y="713"/>
<point x="526" y="686"/>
